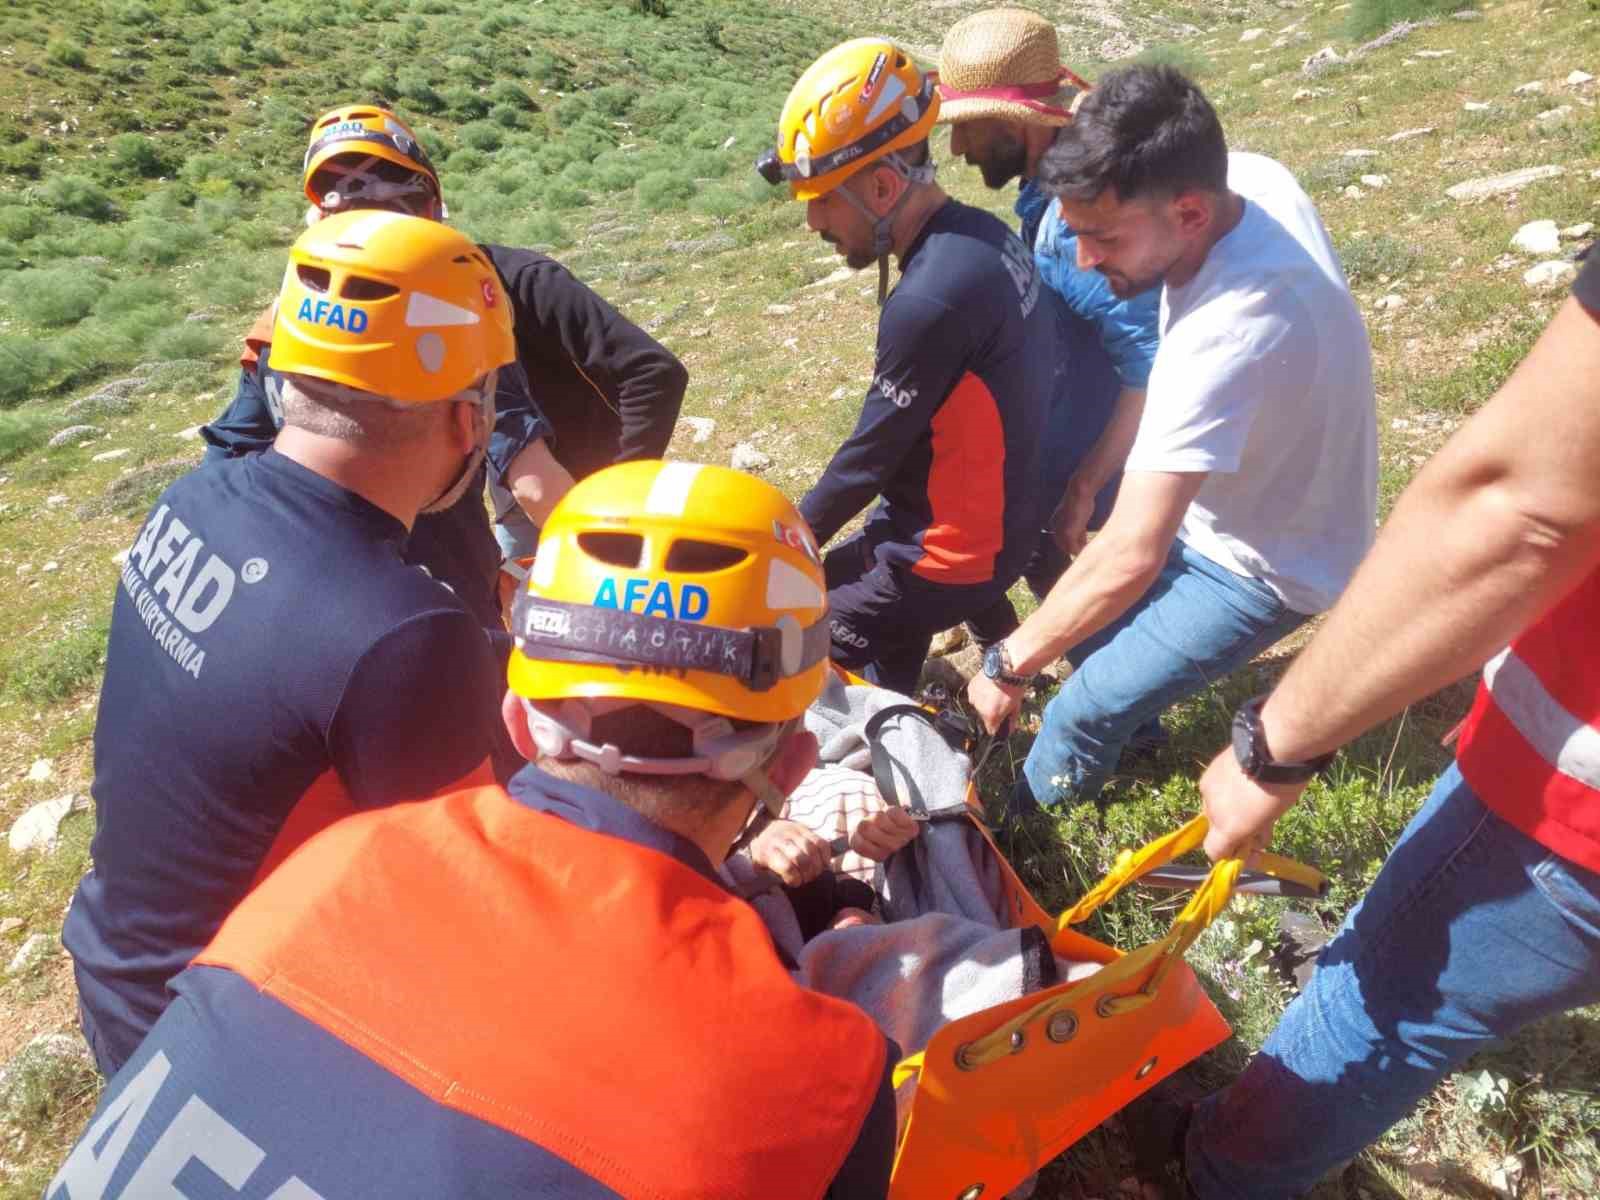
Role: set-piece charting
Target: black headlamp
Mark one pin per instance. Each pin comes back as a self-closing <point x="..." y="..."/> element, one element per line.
<point x="770" y="167"/>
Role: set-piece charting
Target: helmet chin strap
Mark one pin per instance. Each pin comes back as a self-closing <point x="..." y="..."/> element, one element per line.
<point x="469" y="470"/>
<point x="882" y="227"/>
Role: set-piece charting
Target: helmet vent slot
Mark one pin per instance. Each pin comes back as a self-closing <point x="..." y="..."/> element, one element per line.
<point x="315" y="278"/>
<point x="358" y="287"/>
<point x="692" y="557"/>
<point x="615" y="549"/>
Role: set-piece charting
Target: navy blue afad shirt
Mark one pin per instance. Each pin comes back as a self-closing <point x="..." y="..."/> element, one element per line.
<point x="950" y="433"/>
<point x="270" y="652"/>
<point x="455" y="546"/>
<point x="234" y="1083"/>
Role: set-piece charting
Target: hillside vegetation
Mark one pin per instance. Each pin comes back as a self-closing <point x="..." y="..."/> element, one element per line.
<point x="149" y="153"/>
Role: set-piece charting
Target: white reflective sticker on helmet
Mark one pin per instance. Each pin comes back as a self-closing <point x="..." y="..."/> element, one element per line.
<point x="354" y="235"/>
<point x="790" y="587"/>
<point x="423" y="310"/>
<point x="893" y="89"/>
<point x="430" y="352"/>
<point x="670" y="492"/>
<point x="544" y="564"/>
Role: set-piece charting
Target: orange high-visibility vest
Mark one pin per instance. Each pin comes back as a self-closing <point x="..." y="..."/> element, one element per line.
<point x="593" y="996"/>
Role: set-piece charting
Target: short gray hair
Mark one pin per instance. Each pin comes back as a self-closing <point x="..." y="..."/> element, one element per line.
<point x="350" y="415"/>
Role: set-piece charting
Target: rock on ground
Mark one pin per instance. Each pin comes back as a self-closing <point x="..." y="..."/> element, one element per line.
<point x="1498" y="185"/>
<point x="747" y="458"/>
<point x="1538" y="238"/>
<point x="1320" y="61"/>
<point x="1550" y="274"/>
<point x="700" y="428"/>
<point x="74" y="433"/>
<point x="32" y="952"/>
<point x="40" y="826"/>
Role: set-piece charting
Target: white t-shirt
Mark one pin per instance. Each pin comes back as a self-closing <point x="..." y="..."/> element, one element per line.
<point x="1264" y="380"/>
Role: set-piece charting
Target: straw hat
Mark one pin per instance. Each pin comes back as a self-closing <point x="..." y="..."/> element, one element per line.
<point x="1006" y="63"/>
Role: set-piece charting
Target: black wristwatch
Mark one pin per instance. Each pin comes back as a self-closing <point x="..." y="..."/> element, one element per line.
<point x="1256" y="761"/>
<point x="997" y="666"/>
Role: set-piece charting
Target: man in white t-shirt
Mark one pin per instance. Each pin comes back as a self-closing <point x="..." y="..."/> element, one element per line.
<point x="1250" y="489"/>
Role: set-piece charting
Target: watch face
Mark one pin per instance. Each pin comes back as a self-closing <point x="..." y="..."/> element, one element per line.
<point x="991" y="661"/>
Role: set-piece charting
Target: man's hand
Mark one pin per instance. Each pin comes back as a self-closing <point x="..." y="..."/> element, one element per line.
<point x="1069" y="524"/>
<point x="881" y="834"/>
<point x="790" y="851"/>
<point x="1241" y="810"/>
<point x="995" y="703"/>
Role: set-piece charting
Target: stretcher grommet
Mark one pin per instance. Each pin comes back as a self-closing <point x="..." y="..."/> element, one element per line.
<point x="1061" y="1027"/>
<point x="1018" y="1041"/>
<point x="963" y="1063"/>
<point x="972" y="1193"/>
<point x="1103" y="1006"/>
<point x="1146" y="1069"/>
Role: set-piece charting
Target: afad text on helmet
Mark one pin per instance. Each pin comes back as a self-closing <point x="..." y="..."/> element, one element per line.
<point x="332" y="314"/>
<point x="654" y="598"/>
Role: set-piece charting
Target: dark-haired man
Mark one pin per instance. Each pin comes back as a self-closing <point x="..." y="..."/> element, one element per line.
<point x="1250" y="492"/>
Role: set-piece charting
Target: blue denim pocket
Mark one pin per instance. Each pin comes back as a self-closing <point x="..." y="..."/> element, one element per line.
<point x="1572" y="891"/>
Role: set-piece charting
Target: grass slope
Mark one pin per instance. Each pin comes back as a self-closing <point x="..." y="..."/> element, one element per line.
<point x="147" y="159"/>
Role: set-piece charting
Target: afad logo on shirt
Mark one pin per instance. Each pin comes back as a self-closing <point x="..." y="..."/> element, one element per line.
<point x="898" y="396"/>
<point x="332" y="314"/>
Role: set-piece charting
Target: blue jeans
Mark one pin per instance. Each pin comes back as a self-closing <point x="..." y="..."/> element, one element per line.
<point x="516" y="533"/>
<point x="1471" y="930"/>
<point x="1198" y="623"/>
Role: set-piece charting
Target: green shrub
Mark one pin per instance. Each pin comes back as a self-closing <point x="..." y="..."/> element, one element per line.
<point x="136" y="13"/>
<point x="212" y="173"/>
<point x="60" y="669"/>
<point x="25" y="158"/>
<point x="155" y="242"/>
<point x="482" y="135"/>
<point x="465" y="161"/>
<point x="187" y="339"/>
<point x="1366" y="258"/>
<point x="660" y="190"/>
<point x="509" y="93"/>
<point x="134" y="155"/>
<point x="65" y="52"/>
<point x="560" y="195"/>
<point x="1368" y="17"/>
<point x="51" y="296"/>
<point x="128" y="295"/>
<point x="507" y="116"/>
<point x="22" y="430"/>
<point x="413" y="86"/>
<point x="613" y="100"/>
<point x="614" y="176"/>
<point x="19" y="222"/>
<point x="26" y="365"/>
<point x="719" y="203"/>
<point x="78" y="195"/>
<point x="466" y="102"/>
<point x="10" y="255"/>
<point x="379" y="81"/>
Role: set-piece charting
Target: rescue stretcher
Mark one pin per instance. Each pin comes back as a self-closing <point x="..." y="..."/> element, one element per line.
<point x="1001" y="1092"/>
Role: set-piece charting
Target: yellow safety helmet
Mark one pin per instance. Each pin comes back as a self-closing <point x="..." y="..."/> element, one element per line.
<point x="356" y="133"/>
<point x="399" y="306"/>
<point x="859" y="103"/>
<point x="696" y="587"/>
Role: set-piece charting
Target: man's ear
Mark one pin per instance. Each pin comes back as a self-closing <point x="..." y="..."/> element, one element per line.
<point x="511" y="712"/>
<point x="792" y="760"/>
<point x="886" y="186"/>
<point x="1192" y="211"/>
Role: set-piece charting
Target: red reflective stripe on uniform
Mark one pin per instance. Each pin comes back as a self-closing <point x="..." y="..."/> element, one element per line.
<point x="327" y="801"/>
<point x="1515" y="783"/>
<point x="260" y="335"/>
<point x="966" y="487"/>
<point x="587" y="994"/>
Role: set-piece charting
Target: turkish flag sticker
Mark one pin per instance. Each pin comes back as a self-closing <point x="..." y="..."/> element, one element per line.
<point x="489" y="298"/>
